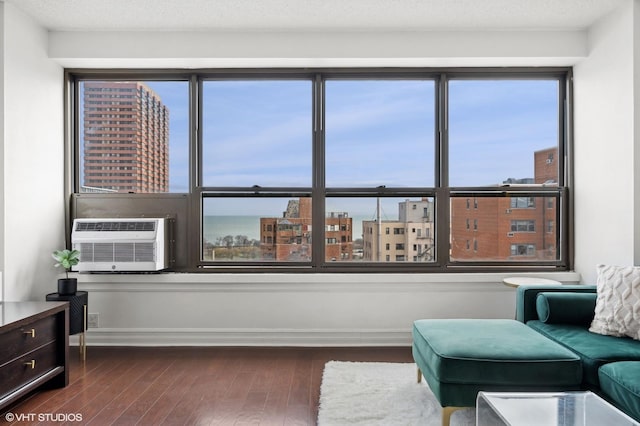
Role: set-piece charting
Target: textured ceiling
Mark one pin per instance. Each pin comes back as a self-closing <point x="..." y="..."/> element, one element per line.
<point x="319" y="15"/>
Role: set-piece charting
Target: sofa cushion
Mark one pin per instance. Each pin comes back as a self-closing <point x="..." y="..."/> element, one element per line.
<point x="566" y="308"/>
<point x="594" y="349"/>
<point x="617" y="310"/>
<point x="526" y="297"/>
<point x="620" y="382"/>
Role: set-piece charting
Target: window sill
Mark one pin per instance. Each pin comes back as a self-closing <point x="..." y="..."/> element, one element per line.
<point x="306" y="282"/>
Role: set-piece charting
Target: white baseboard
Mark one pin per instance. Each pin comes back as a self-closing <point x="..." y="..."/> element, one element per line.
<point x="244" y="337"/>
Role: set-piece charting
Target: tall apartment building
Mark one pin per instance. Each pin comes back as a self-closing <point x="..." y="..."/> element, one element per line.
<point x="522" y="228"/>
<point x="126" y="138"/>
<point x="288" y="238"/>
<point x="408" y="239"/>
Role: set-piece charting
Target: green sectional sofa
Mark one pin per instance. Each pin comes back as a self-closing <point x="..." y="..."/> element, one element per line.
<point x="563" y="314"/>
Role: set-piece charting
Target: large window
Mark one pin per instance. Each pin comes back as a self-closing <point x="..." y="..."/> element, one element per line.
<point x="362" y="170"/>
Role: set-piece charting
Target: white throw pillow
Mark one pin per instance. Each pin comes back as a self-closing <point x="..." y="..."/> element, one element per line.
<point x="617" y="310"/>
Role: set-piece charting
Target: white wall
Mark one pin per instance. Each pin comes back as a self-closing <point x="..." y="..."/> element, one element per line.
<point x="2" y="108"/>
<point x="316" y="49"/>
<point x="33" y="214"/>
<point x="299" y="309"/>
<point x="636" y="121"/>
<point x="606" y="167"/>
<point x="274" y="309"/>
<point x="287" y="309"/>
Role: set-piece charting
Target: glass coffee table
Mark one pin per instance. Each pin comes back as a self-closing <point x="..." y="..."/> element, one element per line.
<point x="542" y="408"/>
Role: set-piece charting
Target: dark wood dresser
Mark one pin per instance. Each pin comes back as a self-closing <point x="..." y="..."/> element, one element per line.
<point x="34" y="347"/>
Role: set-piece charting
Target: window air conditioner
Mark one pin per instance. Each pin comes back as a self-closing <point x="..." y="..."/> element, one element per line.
<point x="135" y="245"/>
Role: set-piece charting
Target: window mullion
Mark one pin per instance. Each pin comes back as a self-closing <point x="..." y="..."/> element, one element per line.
<point x="442" y="132"/>
<point x="318" y="170"/>
<point x="195" y="133"/>
<point x="442" y="219"/>
<point x="443" y="204"/>
<point x="194" y="225"/>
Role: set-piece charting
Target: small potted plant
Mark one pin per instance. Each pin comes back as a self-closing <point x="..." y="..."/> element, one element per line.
<point x="67" y="259"/>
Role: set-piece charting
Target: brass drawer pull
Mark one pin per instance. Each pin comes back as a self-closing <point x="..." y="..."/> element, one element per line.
<point x="31" y="364"/>
<point x="31" y="332"/>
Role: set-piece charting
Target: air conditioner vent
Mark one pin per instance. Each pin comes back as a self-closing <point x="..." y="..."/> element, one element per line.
<point x="129" y="245"/>
<point x="117" y="252"/>
<point x="115" y="226"/>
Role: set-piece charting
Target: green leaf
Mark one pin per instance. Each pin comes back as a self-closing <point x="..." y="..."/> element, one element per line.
<point x="66" y="258"/>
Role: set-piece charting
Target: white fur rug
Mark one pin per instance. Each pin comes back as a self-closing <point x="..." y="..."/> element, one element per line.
<point x="380" y="393"/>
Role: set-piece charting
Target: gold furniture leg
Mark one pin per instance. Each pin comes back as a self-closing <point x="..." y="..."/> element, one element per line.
<point x="446" y="414"/>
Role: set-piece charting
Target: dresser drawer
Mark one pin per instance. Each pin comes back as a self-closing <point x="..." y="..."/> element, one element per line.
<point x="28" y="367"/>
<point x="26" y="338"/>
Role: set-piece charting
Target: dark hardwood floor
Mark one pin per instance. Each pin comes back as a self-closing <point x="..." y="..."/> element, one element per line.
<point x="192" y="386"/>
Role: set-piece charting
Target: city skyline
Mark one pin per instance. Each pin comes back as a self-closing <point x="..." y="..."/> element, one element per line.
<point x="490" y="229"/>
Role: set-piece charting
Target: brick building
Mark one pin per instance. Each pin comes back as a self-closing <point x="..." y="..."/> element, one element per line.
<point x="288" y="238"/>
<point x="408" y="239"/>
<point x="126" y="138"/>
<point x="505" y="228"/>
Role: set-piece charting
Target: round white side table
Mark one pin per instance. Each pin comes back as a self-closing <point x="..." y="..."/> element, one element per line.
<point x="518" y="281"/>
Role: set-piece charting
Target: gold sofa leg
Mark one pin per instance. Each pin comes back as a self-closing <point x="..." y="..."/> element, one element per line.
<point x="419" y="375"/>
<point x="446" y="414"/>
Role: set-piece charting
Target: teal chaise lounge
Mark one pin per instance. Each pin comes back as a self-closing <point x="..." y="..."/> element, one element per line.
<point x="460" y="357"/>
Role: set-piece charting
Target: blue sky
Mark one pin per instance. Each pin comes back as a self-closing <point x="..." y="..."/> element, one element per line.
<point x="496" y="126"/>
<point x="377" y="132"/>
<point x="380" y="133"/>
<point x="175" y="95"/>
<point x="257" y="133"/>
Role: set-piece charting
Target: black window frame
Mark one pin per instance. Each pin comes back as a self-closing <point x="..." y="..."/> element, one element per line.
<point x="441" y="192"/>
